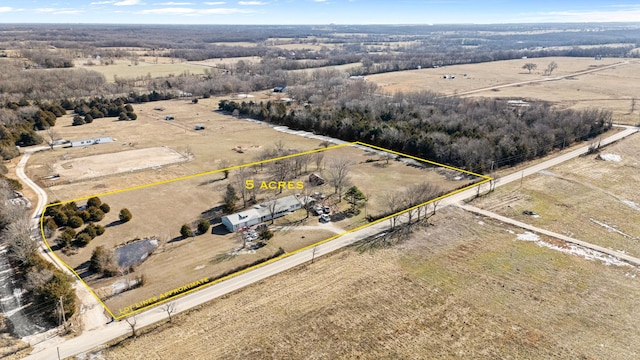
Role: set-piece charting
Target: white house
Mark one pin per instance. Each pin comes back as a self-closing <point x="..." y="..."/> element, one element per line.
<point x="94" y="141"/>
<point x="262" y="212"/>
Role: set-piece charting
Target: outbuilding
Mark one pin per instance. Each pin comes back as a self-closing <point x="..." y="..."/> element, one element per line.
<point x="93" y="141"/>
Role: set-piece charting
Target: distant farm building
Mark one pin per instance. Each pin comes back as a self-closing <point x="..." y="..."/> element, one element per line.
<point x="262" y="212"/>
<point x="199" y="127"/>
<point x="518" y="103"/>
<point x="94" y="141"/>
<point x="279" y="89"/>
<point x="315" y="179"/>
<point x="357" y="77"/>
<point x="169" y="117"/>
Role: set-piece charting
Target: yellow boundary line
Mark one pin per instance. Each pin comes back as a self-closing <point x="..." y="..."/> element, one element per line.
<point x="210" y="283"/>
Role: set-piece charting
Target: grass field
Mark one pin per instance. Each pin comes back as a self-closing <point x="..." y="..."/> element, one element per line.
<point x="592" y="200"/>
<point x="611" y="88"/>
<point x="127" y="69"/>
<point x="463" y="288"/>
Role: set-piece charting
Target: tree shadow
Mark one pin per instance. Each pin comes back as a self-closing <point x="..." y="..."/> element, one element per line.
<point x="207" y="182"/>
<point x="219" y="229"/>
<point x="113" y="223"/>
<point x="177" y="239"/>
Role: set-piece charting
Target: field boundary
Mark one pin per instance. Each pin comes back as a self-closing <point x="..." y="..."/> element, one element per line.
<point x="205" y="282"/>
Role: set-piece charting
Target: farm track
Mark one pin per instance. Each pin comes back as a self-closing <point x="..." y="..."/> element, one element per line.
<point x="520" y="83"/>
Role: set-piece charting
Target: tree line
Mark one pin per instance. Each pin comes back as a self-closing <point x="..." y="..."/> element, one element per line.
<point x="473" y="134"/>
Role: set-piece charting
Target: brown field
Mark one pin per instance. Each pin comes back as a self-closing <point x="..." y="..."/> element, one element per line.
<point x="96" y="166"/>
<point x="150" y="130"/>
<point x="463" y="288"/>
<point x="592" y="200"/>
<point x="128" y="69"/>
<point x="609" y="89"/>
<point x="343" y="67"/>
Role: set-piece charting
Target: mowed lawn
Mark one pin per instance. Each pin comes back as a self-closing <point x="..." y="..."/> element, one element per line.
<point x="463" y="288"/>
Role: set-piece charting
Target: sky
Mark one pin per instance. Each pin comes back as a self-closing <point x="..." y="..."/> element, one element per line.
<point x="316" y="11"/>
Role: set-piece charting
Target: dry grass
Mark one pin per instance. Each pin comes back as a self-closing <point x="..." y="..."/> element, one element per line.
<point x="609" y="89"/>
<point x="161" y="210"/>
<point x="458" y="289"/>
<point x="580" y="197"/>
<point x="128" y="69"/>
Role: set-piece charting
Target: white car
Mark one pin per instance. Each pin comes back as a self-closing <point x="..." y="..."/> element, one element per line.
<point x="325" y="218"/>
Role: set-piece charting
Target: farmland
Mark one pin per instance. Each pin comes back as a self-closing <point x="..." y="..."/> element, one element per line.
<point x="155" y="215"/>
<point x="464" y="287"/>
<point x="611" y="88"/>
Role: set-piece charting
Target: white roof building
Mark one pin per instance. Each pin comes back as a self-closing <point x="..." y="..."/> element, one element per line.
<point x="262" y="212"/>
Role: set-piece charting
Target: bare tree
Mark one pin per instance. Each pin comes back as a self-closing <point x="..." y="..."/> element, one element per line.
<point x="313" y="253"/>
<point x="338" y="173"/>
<point x="132" y="321"/>
<point x="530" y="66"/>
<point x="169" y="308"/>
<point x="633" y="105"/>
<point x="393" y="201"/>
<point x="241" y="176"/>
<point x="272" y="205"/>
<point x="318" y="158"/>
<point x="18" y="236"/>
<point x="550" y="68"/>
<point x="53" y="136"/>
<point x="224" y="164"/>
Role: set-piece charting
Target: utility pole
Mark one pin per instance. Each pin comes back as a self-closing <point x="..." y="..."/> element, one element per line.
<point x="62" y="315"/>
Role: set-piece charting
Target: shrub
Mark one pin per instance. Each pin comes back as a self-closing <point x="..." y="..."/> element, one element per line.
<point x="125" y="215"/>
<point x="77" y="120"/>
<point x="64" y="240"/>
<point x="203" y="226"/>
<point x="102" y="262"/>
<point x="84" y="215"/>
<point x="60" y="218"/>
<point x="90" y="230"/>
<point x="185" y="231"/>
<point x="105" y="208"/>
<point x="83" y="239"/>
<point x="94" y="202"/>
<point x="75" y="222"/>
<point x="266" y="234"/>
<point x="95" y="214"/>
<point x="100" y="230"/>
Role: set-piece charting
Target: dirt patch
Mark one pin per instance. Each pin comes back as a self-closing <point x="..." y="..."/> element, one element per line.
<point x="96" y="166"/>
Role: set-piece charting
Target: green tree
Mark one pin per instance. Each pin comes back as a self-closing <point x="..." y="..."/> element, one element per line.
<point x="102" y="262"/>
<point x="354" y="195"/>
<point x="58" y="287"/>
<point x="83" y="239"/>
<point x="77" y="120"/>
<point x="105" y="208"/>
<point x="203" y="226"/>
<point x="95" y="214"/>
<point x="94" y="202"/>
<point x="125" y="215"/>
<point x="186" y="231"/>
<point x="75" y="222"/>
<point x="230" y="198"/>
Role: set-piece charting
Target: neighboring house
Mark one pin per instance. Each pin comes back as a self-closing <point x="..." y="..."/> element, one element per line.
<point x="262" y="212"/>
<point x="169" y="117"/>
<point x="315" y="179"/>
<point x="279" y="89"/>
<point x="94" y="141"/>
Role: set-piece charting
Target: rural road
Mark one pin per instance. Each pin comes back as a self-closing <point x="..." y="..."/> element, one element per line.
<point x="94" y="338"/>
<point x="540" y="80"/>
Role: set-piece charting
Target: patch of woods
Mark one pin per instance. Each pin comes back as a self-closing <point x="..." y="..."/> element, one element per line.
<point x="473" y="134"/>
<point x="77" y="226"/>
<point x="49" y="289"/>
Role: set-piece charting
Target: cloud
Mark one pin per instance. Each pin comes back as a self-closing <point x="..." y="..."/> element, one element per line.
<point x="127" y="3"/>
<point x="320" y="1"/>
<point x="213" y="3"/>
<point x="102" y="2"/>
<point x="192" y="11"/>
<point x="628" y="15"/>
<point x="4" y="9"/>
<point x="62" y="11"/>
<point x="251" y="3"/>
<point x="173" y="3"/>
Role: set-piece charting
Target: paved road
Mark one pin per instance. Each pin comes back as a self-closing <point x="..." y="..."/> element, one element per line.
<point x="94" y="338"/>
